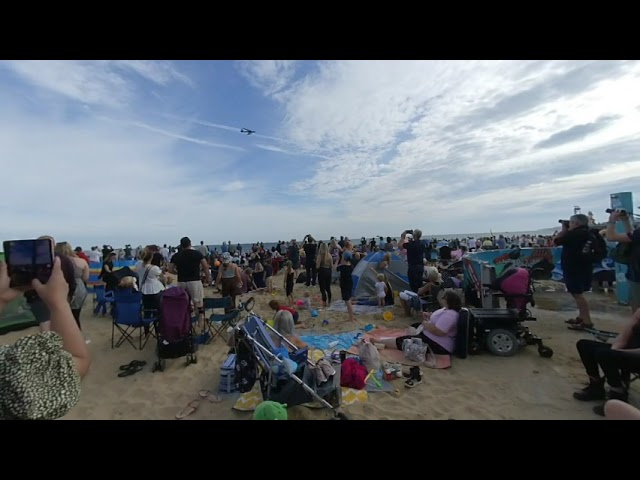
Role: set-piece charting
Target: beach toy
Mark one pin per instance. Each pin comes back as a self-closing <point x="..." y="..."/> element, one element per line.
<point x="325" y="322"/>
<point x="299" y="303"/>
<point x="388" y="316"/>
<point x="372" y="374"/>
<point x="269" y="410"/>
<point x="369" y="327"/>
<point x="314" y="313"/>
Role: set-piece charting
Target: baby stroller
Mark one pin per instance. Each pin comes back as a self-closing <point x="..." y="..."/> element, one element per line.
<point x="174" y="328"/>
<point x="501" y="330"/>
<point x="291" y="380"/>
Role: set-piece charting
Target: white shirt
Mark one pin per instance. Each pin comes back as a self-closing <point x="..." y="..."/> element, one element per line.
<point x="152" y="283"/>
<point x="380" y="290"/>
<point x="94" y="256"/>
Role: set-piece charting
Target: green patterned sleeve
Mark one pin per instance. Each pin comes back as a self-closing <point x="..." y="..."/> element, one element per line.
<point x="38" y="378"/>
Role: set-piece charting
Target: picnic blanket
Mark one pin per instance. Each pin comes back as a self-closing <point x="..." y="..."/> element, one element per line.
<point x="393" y="355"/>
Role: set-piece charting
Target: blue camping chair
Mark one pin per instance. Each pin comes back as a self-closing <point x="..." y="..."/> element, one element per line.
<point x="217" y="323"/>
<point x="101" y="299"/>
<point x="127" y="318"/>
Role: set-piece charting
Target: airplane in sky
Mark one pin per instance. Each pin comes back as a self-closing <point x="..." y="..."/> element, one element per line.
<point x="247" y="131"/>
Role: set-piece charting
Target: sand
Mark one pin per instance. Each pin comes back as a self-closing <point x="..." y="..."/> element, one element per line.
<point x="524" y="386"/>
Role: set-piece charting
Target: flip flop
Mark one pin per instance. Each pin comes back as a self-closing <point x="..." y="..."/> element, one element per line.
<point x="212" y="397"/>
<point x="188" y="410"/>
<point x="133" y="364"/>
<point x="130" y="371"/>
<point x="573" y="321"/>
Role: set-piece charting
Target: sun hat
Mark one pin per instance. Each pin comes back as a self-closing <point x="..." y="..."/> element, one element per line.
<point x="226" y="258"/>
<point x="269" y="410"/>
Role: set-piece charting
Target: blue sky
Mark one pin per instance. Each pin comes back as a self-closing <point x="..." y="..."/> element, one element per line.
<point x="141" y="152"/>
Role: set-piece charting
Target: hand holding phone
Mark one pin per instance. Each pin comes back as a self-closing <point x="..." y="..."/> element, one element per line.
<point x="7" y="294"/>
<point x="28" y="260"/>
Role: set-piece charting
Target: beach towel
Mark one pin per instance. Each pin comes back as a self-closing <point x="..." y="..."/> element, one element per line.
<point x="393" y="355"/>
<point x="326" y="341"/>
<point x="247" y="402"/>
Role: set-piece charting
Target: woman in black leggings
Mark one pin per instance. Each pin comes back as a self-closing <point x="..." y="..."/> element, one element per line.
<point x="324" y="264"/>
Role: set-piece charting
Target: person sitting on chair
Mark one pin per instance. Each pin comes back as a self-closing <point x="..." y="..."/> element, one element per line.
<point x="434" y="280"/>
<point x="623" y="355"/>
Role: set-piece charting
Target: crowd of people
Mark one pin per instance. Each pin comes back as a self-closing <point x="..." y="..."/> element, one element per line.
<point x="57" y="304"/>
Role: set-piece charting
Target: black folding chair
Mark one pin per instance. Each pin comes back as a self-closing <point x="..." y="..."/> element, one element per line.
<point x="218" y="323"/>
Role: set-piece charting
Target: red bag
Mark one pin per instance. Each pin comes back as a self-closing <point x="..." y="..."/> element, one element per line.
<point x="352" y="374"/>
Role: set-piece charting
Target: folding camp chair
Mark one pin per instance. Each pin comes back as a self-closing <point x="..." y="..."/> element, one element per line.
<point x="218" y="323"/>
<point x="127" y="318"/>
<point x="101" y="299"/>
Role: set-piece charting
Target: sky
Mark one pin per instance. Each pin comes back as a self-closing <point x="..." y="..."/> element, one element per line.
<point x="141" y="152"/>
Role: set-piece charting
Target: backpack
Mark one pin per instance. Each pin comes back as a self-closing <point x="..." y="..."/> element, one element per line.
<point x="622" y="253"/>
<point x="599" y="248"/>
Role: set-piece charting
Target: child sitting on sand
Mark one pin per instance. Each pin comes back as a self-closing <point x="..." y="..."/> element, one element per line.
<point x="381" y="290"/>
<point x="305" y="303"/>
<point x="275" y="305"/>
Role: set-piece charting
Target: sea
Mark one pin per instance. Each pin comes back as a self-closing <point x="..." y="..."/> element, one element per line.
<point x="544" y="232"/>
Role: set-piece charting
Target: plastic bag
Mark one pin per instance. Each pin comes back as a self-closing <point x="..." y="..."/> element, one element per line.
<point x="369" y="356"/>
<point x="415" y="350"/>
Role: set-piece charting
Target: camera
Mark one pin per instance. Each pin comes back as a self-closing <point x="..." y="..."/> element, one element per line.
<point x="621" y="211"/>
<point x="564" y="222"/>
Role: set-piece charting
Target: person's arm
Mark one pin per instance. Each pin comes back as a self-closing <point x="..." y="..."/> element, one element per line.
<point x="172" y="269"/>
<point x="86" y="271"/>
<point x="614" y="236"/>
<point x="54" y="295"/>
<point x="219" y="277"/>
<point x="207" y="270"/>
<point x="402" y="240"/>
<point x="444" y="323"/>
<point x="559" y="239"/>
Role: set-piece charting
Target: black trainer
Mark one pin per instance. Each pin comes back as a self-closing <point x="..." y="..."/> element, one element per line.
<point x="415" y="378"/>
<point x="593" y="391"/>
<point x="612" y="395"/>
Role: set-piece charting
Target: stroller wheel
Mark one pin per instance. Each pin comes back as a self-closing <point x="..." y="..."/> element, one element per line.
<point x="545" y="352"/>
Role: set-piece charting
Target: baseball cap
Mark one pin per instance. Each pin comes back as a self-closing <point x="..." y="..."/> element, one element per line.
<point x="269" y="410"/>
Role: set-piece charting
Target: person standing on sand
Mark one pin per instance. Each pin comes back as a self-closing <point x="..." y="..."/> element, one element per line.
<point x="577" y="267"/>
<point x="310" y="248"/>
<point x="631" y="237"/>
<point x="324" y="264"/>
<point x="345" y="269"/>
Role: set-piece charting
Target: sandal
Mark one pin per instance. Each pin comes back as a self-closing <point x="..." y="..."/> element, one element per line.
<point x="573" y="321"/>
<point x="212" y="397"/>
<point x="580" y="326"/>
<point x="133" y="364"/>
<point x="412" y="382"/>
<point x="130" y="371"/>
<point x="188" y="410"/>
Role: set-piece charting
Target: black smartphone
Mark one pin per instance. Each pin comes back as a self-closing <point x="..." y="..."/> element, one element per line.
<point x="28" y="260"/>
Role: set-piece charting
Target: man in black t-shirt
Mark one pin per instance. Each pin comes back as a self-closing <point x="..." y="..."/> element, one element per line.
<point x="187" y="264"/>
<point x="415" y="257"/>
<point x="577" y="266"/>
<point x="310" y="248"/>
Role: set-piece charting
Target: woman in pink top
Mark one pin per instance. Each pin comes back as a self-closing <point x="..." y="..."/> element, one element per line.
<point x="439" y="328"/>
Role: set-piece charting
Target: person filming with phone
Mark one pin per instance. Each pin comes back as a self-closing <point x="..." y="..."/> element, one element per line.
<point x="630" y="238"/>
<point x="40" y="374"/>
<point x="577" y="265"/>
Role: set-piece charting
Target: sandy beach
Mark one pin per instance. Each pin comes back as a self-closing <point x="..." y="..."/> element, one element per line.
<point x="524" y="386"/>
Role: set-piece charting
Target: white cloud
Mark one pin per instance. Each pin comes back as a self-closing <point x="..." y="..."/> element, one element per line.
<point x="450" y="147"/>
<point x="271" y="76"/>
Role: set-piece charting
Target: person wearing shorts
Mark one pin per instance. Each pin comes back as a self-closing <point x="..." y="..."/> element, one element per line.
<point x="187" y="263"/>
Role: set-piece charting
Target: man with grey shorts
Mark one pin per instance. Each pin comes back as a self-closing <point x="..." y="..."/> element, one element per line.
<point x="187" y="264"/>
<point x="633" y="237"/>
